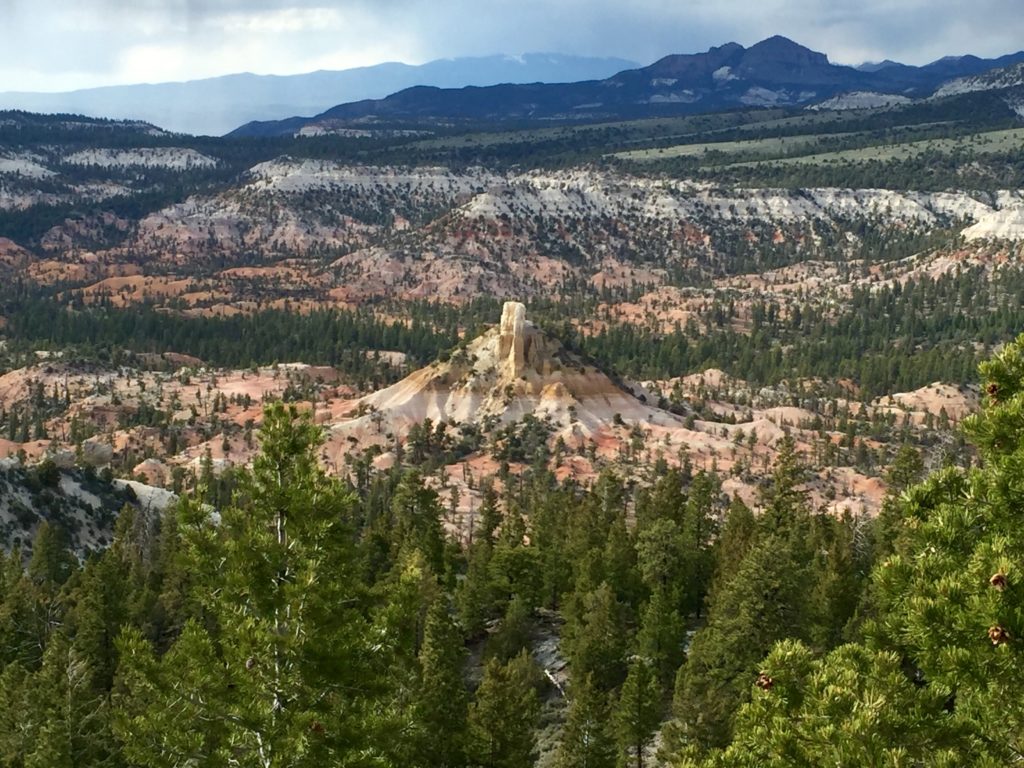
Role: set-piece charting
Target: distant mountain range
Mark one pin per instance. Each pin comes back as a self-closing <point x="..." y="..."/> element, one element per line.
<point x="774" y="72"/>
<point x="216" y="105"/>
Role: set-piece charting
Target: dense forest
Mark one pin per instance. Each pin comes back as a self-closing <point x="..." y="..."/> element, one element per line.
<point x="886" y="339"/>
<point x="305" y="621"/>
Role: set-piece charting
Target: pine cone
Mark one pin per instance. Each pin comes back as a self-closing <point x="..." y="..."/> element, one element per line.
<point x="764" y="682"/>
<point x="998" y="635"/>
<point x="999" y="581"/>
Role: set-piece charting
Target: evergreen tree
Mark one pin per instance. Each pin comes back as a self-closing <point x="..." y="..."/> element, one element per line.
<point x="416" y="521"/>
<point x="548" y="533"/>
<point x="194" y="727"/>
<point x="175" y="599"/>
<point x="838" y="579"/>
<point x="476" y="594"/>
<point x="442" y="701"/>
<point x="905" y="470"/>
<point x="949" y="597"/>
<point x="503" y="717"/>
<point x="853" y="708"/>
<point x="15" y="737"/>
<point x="595" y="639"/>
<point x="638" y="712"/>
<point x="513" y="633"/>
<point x="661" y="556"/>
<point x="764" y="600"/>
<point x="699" y="530"/>
<point x="587" y="738"/>
<point x="737" y="537"/>
<point x="52" y="562"/>
<point x="662" y="634"/>
<point x="101" y="609"/>
<point x="283" y="648"/>
<point x="405" y="597"/>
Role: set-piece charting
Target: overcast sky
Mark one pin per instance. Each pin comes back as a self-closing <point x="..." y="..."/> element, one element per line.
<point x="66" y="44"/>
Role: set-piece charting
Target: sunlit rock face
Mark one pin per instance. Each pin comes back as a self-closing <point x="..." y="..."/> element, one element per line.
<point x="513" y="343"/>
<point x="510" y="371"/>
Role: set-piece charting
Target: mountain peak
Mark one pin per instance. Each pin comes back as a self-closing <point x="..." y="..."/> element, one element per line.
<point x="878" y="66"/>
<point x="781" y="49"/>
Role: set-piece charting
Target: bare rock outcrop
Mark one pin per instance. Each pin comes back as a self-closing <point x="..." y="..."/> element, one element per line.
<point x="512" y="344"/>
<point x="511" y="371"/>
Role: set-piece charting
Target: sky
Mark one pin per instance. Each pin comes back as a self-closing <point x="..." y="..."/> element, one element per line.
<point x="55" y="45"/>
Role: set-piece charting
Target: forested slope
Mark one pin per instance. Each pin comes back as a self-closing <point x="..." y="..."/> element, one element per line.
<point x="307" y="621"/>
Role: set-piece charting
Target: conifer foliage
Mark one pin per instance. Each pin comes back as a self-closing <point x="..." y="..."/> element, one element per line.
<point x="279" y="648"/>
<point x="297" y="620"/>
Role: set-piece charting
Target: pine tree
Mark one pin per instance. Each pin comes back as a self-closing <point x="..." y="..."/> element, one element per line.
<point x="490" y="515"/>
<point x="949" y="597"/>
<point x="595" y="639"/>
<point x="662" y="634"/>
<point x="514" y="569"/>
<point x="101" y="608"/>
<point x="737" y="537"/>
<point x="15" y="737"/>
<point x="638" y="711"/>
<point x="587" y="738"/>
<point x="476" y="596"/>
<point x="855" y="707"/>
<point x="549" y="522"/>
<point x="405" y="598"/>
<point x="52" y="562"/>
<point x="194" y="727"/>
<point x="761" y="600"/>
<point x="905" y="470"/>
<point x="513" y="633"/>
<point x="442" y="701"/>
<point x="503" y="717"/>
<point x="61" y="720"/>
<point x="837" y="580"/>
<point x="286" y="648"/>
<point x="416" y="521"/>
<point x="30" y="606"/>
<point x="660" y="555"/>
<point x="699" y="530"/>
<point x="175" y="600"/>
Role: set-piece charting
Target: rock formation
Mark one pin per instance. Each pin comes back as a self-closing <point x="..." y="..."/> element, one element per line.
<point x="512" y="344"/>
<point x="510" y="371"/>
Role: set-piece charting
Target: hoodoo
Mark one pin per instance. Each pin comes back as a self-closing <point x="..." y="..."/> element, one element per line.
<point x="510" y="371"/>
<point x="512" y="345"/>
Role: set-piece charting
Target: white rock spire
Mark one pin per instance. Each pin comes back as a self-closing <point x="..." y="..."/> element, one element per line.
<point x="512" y="346"/>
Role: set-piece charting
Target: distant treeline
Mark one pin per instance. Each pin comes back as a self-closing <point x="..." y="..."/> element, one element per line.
<point x="327" y="337"/>
<point x="886" y="339"/>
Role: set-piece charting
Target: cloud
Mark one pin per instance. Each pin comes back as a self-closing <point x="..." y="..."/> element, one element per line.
<point x="58" y="44"/>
